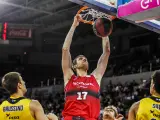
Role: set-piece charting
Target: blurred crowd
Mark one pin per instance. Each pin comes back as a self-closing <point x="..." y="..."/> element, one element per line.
<point x="124" y="95"/>
<point x="132" y="65"/>
<point x="52" y="103"/>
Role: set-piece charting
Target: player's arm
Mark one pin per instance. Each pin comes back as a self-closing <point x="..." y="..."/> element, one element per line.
<point x="103" y="60"/>
<point x="133" y="111"/>
<point x="37" y="110"/>
<point x="66" y="56"/>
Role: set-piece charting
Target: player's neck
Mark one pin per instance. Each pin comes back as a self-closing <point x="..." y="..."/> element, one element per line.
<point x="156" y="94"/>
<point x="17" y="95"/>
<point x="81" y="72"/>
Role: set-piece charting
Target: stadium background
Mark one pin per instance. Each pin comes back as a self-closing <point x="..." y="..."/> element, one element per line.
<point x="31" y="37"/>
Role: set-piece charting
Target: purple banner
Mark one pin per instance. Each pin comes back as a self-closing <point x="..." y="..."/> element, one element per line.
<point x="136" y="6"/>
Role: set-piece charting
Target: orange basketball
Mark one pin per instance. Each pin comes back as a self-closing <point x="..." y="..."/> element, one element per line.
<point x="102" y="27"/>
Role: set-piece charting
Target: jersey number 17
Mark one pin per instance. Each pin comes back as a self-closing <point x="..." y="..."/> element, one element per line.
<point x="82" y="95"/>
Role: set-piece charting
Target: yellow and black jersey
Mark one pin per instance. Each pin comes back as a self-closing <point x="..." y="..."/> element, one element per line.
<point x="16" y="109"/>
<point x="149" y="109"/>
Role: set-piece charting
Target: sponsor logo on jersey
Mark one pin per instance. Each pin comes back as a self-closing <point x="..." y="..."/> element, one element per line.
<point x="13" y="108"/>
<point x="7" y="115"/>
<point x="157" y="106"/>
<point x="82" y="84"/>
<point x="154" y="114"/>
<point x="14" y="117"/>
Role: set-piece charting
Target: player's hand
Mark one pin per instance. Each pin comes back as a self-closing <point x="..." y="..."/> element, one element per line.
<point x="119" y="117"/>
<point x="51" y="116"/>
<point x="76" y="20"/>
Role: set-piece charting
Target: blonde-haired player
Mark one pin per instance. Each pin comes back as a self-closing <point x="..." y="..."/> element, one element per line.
<point x="111" y="113"/>
<point x="17" y="107"/>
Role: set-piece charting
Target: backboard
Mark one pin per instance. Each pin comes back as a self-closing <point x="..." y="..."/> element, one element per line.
<point x="148" y="19"/>
<point x="107" y="6"/>
<point x="144" y="13"/>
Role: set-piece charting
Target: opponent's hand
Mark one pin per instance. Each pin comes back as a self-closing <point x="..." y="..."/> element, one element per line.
<point x="76" y="20"/>
<point x="119" y="117"/>
<point x="51" y="116"/>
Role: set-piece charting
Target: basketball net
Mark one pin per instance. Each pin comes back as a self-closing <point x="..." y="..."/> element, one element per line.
<point x="89" y="15"/>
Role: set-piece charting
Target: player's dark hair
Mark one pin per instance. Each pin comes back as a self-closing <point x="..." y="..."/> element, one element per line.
<point x="10" y="81"/>
<point x="156" y="81"/>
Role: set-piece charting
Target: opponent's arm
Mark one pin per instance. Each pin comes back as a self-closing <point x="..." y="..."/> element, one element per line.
<point x="103" y="60"/>
<point x="51" y="116"/>
<point x="133" y="111"/>
<point x="37" y="110"/>
<point x="66" y="56"/>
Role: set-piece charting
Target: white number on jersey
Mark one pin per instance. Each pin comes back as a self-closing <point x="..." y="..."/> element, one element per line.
<point x="82" y="95"/>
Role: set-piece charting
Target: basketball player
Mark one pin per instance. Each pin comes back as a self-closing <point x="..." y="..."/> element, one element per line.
<point x="148" y="108"/>
<point x="82" y="91"/>
<point x="17" y="107"/>
<point x="111" y="113"/>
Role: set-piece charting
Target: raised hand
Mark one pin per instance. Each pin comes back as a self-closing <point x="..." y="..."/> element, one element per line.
<point x="76" y="20"/>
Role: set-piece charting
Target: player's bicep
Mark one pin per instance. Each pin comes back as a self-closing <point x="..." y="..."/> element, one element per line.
<point x="131" y="115"/>
<point x="133" y="111"/>
<point x="38" y="111"/>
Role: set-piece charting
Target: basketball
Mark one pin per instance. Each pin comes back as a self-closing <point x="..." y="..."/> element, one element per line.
<point x="102" y="27"/>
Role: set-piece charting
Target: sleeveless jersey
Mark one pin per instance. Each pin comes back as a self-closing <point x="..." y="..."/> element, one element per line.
<point x="149" y="109"/>
<point x="16" y="109"/>
<point x="82" y="98"/>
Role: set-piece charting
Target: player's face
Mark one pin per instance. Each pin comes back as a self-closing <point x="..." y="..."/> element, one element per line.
<point x="108" y="114"/>
<point x="82" y="62"/>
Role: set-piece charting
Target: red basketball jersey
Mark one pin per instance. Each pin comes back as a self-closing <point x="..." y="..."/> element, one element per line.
<point x="82" y="97"/>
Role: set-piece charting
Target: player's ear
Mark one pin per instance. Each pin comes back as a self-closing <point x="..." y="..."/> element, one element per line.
<point x="153" y="86"/>
<point x="19" y="85"/>
<point x="74" y="67"/>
